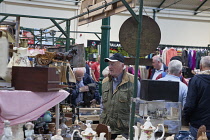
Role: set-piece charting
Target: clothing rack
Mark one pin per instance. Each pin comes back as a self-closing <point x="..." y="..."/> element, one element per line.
<point x="162" y="46"/>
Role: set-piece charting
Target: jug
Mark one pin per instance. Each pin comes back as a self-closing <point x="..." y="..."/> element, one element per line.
<point x="148" y="131"/>
<point x="120" y="137"/>
<point x="136" y="136"/>
<point x="87" y="134"/>
<point x="101" y="137"/>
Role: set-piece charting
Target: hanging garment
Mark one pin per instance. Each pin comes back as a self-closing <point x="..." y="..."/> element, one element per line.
<point x="169" y="54"/>
<point x="185" y="58"/>
<point x="189" y="59"/>
<point x="164" y="55"/>
<point x="179" y="52"/>
<point x="192" y="59"/>
<point x="143" y="72"/>
<point x="198" y="59"/>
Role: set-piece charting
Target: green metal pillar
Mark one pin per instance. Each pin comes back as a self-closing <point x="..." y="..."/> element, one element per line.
<point x="133" y="106"/>
<point x="1" y="1"/>
<point x="105" y="39"/>
<point x="3" y="18"/>
<point x="68" y="35"/>
<point x="154" y="14"/>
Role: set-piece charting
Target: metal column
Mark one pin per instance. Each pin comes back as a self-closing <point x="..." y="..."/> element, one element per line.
<point x="68" y="35"/>
<point x="105" y="39"/>
<point x="17" y="31"/>
<point x="133" y="106"/>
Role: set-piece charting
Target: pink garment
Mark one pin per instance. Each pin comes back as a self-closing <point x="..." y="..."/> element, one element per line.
<point x="169" y="54"/>
<point x="21" y="106"/>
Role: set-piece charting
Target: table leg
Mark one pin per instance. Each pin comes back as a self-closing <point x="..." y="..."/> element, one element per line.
<point x="57" y="113"/>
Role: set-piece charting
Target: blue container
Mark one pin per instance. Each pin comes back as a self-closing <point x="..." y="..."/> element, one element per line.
<point x="184" y="135"/>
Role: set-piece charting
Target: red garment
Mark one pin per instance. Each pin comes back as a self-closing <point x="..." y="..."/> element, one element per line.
<point x="96" y="67"/>
<point x="169" y="54"/>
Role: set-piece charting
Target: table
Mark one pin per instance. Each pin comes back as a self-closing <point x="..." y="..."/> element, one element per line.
<point x="19" y="106"/>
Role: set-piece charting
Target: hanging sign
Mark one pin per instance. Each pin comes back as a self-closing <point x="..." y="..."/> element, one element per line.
<point x="106" y="11"/>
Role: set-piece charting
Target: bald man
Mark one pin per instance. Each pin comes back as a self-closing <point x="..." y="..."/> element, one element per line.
<point x="86" y="91"/>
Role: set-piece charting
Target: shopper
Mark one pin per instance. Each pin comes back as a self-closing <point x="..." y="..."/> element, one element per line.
<point x="158" y="65"/>
<point x="86" y="91"/>
<point x="196" y="109"/>
<point x="174" y="73"/>
<point x="163" y="74"/>
<point x="117" y="90"/>
<point x="95" y="70"/>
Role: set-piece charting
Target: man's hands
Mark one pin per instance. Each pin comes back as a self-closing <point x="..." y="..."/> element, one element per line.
<point x="84" y="89"/>
<point x="93" y="103"/>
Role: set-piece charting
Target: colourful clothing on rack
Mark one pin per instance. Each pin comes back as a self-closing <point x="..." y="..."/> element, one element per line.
<point x="198" y="59"/>
<point x="164" y="55"/>
<point x="192" y="59"/>
<point x="169" y="54"/>
<point x="179" y="52"/>
<point x="185" y="58"/>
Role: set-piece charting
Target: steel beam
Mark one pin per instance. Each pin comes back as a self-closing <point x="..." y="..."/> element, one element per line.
<point x="170" y="5"/>
<point x="203" y="10"/>
<point x="114" y="1"/>
<point x="29" y="16"/>
<point x="97" y="36"/>
<point x="59" y="27"/>
<point x="3" y="19"/>
<point x="85" y="32"/>
<point x="195" y="13"/>
<point x="58" y="38"/>
<point x="130" y="10"/>
<point x="160" y="5"/>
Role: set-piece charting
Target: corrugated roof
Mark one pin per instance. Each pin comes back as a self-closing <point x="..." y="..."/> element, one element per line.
<point x="197" y="6"/>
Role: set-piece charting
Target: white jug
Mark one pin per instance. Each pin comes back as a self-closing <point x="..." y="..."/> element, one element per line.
<point x="148" y="131"/>
<point x="88" y="134"/>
